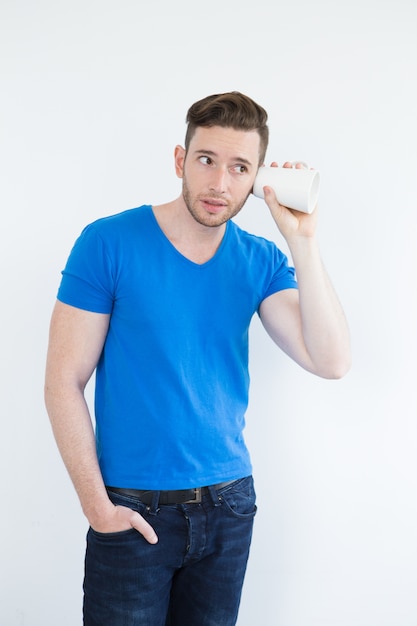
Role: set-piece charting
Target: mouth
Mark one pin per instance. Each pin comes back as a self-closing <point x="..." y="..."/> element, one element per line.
<point x="213" y="205"/>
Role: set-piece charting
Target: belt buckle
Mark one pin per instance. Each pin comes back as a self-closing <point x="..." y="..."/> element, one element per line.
<point x="197" y="498"/>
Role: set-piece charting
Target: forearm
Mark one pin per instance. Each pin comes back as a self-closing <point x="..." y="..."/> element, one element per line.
<point x="72" y="427"/>
<point x="324" y="327"/>
<point x="73" y="431"/>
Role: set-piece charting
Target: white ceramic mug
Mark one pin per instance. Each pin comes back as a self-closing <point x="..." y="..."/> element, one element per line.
<point x="295" y="188"/>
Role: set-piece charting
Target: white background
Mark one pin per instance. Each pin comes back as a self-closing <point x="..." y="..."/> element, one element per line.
<point x="93" y="99"/>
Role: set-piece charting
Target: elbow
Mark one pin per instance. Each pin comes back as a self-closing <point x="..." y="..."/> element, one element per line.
<point x="50" y="395"/>
<point x="336" y="369"/>
<point x="336" y="373"/>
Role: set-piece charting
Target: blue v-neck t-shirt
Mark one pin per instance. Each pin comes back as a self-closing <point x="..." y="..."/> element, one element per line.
<point x="172" y="381"/>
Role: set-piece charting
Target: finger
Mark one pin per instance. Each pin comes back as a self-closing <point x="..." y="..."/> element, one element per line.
<point x="145" y="529"/>
<point x="299" y="165"/>
<point x="269" y="193"/>
<point x="287" y="164"/>
<point x="271" y="198"/>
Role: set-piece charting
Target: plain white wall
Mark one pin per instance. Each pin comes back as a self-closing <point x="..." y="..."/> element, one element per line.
<point x="93" y="99"/>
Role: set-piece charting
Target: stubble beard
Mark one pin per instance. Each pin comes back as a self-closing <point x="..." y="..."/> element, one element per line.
<point x="207" y="219"/>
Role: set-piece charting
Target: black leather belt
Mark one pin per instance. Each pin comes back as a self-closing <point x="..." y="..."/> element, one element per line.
<point x="179" y="496"/>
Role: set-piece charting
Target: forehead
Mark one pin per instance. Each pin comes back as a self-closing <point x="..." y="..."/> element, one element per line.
<point x="226" y="143"/>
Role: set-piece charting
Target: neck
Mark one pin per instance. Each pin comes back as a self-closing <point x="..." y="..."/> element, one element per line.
<point x="195" y="241"/>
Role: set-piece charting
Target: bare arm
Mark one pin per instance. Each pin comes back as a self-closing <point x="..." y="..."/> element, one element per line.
<point x="309" y="325"/>
<point x="75" y="344"/>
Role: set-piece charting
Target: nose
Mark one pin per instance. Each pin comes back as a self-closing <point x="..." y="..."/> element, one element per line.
<point x="218" y="180"/>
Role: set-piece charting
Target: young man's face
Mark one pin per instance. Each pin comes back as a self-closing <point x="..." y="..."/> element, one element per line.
<point x="218" y="172"/>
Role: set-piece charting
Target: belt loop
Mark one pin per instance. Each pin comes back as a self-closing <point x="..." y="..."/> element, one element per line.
<point x="214" y="496"/>
<point x="153" y="509"/>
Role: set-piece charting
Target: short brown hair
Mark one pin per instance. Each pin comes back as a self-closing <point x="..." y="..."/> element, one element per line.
<point x="229" y="110"/>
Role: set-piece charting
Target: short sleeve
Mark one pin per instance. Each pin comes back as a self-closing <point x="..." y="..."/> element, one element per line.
<point x="283" y="276"/>
<point x="87" y="279"/>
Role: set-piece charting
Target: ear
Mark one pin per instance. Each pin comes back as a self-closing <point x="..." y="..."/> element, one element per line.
<point x="179" y="155"/>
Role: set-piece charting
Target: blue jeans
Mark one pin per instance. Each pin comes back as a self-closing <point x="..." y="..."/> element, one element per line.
<point x="192" y="577"/>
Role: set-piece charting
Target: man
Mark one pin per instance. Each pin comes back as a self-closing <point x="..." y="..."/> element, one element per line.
<point x="159" y="301"/>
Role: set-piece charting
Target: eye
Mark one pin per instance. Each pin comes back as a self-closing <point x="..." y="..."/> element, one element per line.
<point x="205" y="160"/>
<point x="240" y="169"/>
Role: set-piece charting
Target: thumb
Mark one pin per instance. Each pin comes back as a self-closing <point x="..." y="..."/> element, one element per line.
<point x="145" y="529"/>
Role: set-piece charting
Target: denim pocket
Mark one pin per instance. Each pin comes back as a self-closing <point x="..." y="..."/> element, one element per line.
<point x="239" y="499"/>
<point x="120" y="534"/>
<point x="129" y="502"/>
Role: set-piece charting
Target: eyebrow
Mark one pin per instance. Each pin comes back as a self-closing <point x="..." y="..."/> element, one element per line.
<point x="214" y="154"/>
